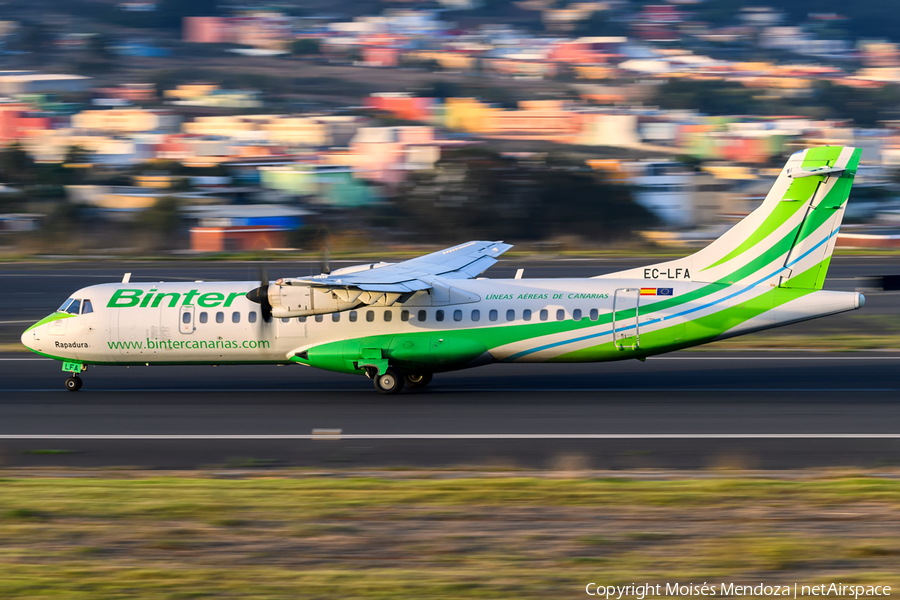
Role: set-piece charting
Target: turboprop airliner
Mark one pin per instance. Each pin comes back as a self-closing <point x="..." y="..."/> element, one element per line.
<point x="401" y="323"/>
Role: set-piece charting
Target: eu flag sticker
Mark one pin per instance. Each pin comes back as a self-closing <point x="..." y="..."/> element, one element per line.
<point x="664" y="291"/>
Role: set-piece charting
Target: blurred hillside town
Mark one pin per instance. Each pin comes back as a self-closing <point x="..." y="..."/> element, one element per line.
<point x="145" y="126"/>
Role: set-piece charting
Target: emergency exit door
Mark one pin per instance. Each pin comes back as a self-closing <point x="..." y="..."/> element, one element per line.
<point x="186" y="319"/>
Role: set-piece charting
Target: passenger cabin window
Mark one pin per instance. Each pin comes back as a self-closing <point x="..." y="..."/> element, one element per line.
<point x="560" y="315"/>
<point x="235" y="317"/>
<point x="252" y="317"/>
<point x="300" y="319"/>
<point x="526" y="314"/>
<point x="510" y="315"/>
<point x="404" y="315"/>
<point x="576" y="314"/>
<point x="335" y="317"/>
<point x="204" y="317"/>
<point x="86" y="307"/>
<point x="185" y="317"/>
<point x="319" y="318"/>
<point x="370" y="315"/>
<point x="220" y="317"/>
<point x="457" y="315"/>
<point x="423" y="315"/>
<point x="283" y="320"/>
<point x="595" y="314"/>
<point x="476" y="315"/>
<point x="388" y="315"/>
<point x="544" y="314"/>
<point x="439" y="315"/>
<point x="353" y="316"/>
<point x="492" y="315"/>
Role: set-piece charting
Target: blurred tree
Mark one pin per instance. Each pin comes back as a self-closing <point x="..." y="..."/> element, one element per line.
<point x="77" y="155"/>
<point x="33" y="37"/>
<point x="16" y="165"/>
<point x="479" y="194"/>
<point x="709" y="97"/>
<point x="61" y="221"/>
<point x="599" y="24"/>
<point x="181" y="184"/>
<point x="170" y="13"/>
<point x="98" y="46"/>
<point x="864" y="107"/>
<point x="305" y="47"/>
<point x="164" y="216"/>
<point x="310" y="238"/>
<point x="444" y="89"/>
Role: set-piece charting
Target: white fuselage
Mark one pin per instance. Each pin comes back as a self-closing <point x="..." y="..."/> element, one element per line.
<point x="214" y="323"/>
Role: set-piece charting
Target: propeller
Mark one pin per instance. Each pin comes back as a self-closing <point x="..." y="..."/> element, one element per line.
<point x="260" y="295"/>
<point x="325" y="262"/>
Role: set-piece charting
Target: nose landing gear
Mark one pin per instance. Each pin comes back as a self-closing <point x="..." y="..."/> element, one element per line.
<point x="73" y="383"/>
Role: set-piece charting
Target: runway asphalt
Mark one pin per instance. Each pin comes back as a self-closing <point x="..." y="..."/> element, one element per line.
<point x="686" y="410"/>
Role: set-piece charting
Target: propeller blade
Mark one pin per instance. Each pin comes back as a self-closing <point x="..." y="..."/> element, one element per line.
<point x="324" y="263"/>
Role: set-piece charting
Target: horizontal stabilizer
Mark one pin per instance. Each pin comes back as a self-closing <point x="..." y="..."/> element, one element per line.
<point x="800" y="173"/>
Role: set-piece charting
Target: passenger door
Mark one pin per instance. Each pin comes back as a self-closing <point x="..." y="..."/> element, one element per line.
<point x="626" y="309"/>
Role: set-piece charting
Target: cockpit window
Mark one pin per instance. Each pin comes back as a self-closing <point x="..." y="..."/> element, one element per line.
<point x="75" y="306"/>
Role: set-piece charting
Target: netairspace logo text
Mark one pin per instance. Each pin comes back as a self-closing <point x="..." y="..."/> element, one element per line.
<point x="617" y="592"/>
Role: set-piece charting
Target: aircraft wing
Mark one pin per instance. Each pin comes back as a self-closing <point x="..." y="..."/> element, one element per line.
<point x="459" y="262"/>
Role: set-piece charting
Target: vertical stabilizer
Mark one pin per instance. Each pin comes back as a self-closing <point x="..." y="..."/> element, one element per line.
<point x="788" y="240"/>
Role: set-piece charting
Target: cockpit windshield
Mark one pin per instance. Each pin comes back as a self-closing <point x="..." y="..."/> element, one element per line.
<point x="73" y="306"/>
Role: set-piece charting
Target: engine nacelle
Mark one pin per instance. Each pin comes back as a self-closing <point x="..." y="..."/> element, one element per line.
<point x="304" y="300"/>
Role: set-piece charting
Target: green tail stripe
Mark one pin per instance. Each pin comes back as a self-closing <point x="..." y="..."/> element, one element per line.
<point x="812" y="278"/>
<point x="797" y="194"/>
<point x="823" y="271"/>
<point x="778" y="217"/>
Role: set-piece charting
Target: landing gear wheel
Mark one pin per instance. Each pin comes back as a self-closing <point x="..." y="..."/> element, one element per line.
<point x="418" y="381"/>
<point x="389" y="383"/>
<point x="73" y="383"/>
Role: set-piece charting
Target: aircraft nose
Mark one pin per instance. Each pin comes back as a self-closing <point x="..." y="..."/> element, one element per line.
<point x="28" y="338"/>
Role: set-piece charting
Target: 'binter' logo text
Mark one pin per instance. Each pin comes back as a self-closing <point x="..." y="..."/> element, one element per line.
<point x="154" y="299"/>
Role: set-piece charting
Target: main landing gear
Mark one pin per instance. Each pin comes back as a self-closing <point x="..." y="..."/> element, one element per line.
<point x="73" y="383"/>
<point x="418" y="381"/>
<point x="389" y="383"/>
<point x="392" y="382"/>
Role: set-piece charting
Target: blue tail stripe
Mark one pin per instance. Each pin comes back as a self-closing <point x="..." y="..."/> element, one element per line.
<point x="676" y="315"/>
